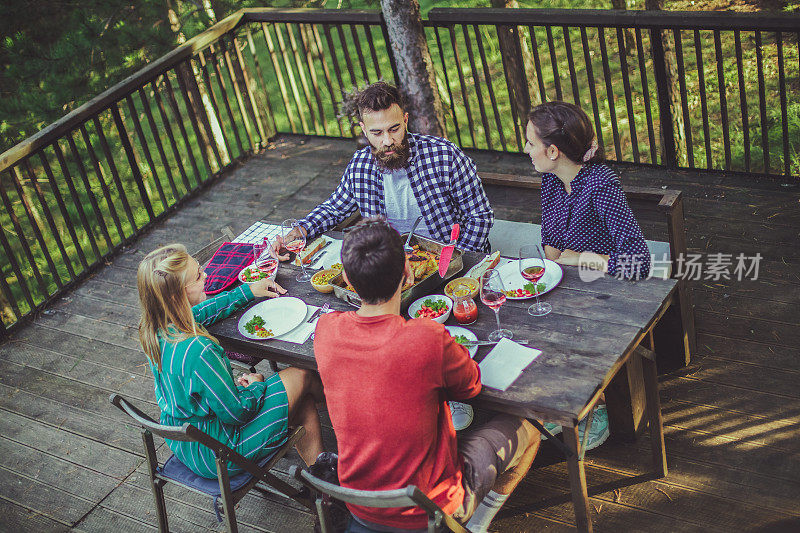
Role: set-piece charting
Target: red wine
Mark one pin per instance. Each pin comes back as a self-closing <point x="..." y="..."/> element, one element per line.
<point x="493" y="299"/>
<point x="533" y="273"/>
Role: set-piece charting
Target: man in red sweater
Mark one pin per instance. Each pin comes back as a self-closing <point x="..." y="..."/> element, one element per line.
<point x="387" y="382"/>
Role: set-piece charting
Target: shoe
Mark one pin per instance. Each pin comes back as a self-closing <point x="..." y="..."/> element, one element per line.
<point x="599" y="431"/>
<point x="462" y="415"/>
<point x="554" y="429"/>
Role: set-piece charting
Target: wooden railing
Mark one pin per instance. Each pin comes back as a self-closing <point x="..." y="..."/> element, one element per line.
<point x="80" y="189"/>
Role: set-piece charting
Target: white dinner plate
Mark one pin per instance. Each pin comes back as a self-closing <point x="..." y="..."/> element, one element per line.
<point x="458" y="330"/>
<point x="252" y="266"/>
<point x="513" y="280"/>
<point x="281" y="315"/>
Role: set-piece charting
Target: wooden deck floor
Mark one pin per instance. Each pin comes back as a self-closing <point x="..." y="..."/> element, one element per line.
<point x="69" y="461"/>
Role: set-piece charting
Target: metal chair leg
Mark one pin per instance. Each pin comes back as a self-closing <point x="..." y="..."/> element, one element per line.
<point x="225" y="493"/>
<point x="157" y="485"/>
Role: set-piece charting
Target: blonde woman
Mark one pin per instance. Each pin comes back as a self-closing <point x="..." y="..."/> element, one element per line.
<point x="193" y="378"/>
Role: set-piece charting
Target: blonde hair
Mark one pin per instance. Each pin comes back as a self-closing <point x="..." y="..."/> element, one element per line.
<point x="161" y="278"/>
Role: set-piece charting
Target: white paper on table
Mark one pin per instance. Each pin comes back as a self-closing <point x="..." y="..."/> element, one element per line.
<point x="504" y="364"/>
<point x="303" y="331"/>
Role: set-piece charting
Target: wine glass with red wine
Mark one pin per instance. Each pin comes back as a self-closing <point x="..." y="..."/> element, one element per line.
<point x="493" y="295"/>
<point x="295" y="241"/>
<point x="531" y="266"/>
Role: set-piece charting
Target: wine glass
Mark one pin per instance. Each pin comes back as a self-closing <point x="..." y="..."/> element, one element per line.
<point x="531" y="266"/>
<point x="295" y="241"/>
<point x="263" y="259"/>
<point x="493" y="295"/>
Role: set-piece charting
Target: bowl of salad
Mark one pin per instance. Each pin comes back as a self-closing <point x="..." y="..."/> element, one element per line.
<point x="252" y="273"/>
<point x="437" y="307"/>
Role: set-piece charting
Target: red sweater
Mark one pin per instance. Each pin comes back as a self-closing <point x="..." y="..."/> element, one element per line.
<point x="386" y="383"/>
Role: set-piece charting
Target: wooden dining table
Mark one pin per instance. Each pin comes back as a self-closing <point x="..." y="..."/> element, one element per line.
<point x="597" y="341"/>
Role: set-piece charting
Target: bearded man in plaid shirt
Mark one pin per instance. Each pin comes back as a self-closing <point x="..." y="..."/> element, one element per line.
<point x="402" y="176"/>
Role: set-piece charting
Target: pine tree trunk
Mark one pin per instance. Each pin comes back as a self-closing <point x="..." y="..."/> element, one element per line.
<point x="415" y="73"/>
<point x="511" y="52"/>
<point x="673" y="90"/>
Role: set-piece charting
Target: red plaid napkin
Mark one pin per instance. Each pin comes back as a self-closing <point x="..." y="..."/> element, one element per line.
<point x="223" y="269"/>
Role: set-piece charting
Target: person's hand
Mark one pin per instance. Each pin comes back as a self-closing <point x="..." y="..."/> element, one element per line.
<point x="277" y="243"/>
<point x="246" y="379"/>
<point x="266" y="287"/>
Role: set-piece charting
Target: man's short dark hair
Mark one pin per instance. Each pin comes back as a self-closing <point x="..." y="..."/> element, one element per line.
<point x="374" y="260"/>
<point x="377" y="97"/>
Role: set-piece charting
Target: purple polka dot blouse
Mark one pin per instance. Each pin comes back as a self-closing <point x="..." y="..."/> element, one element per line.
<point x="594" y="217"/>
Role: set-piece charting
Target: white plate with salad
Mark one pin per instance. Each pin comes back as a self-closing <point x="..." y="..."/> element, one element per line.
<point x="519" y="288"/>
<point x="272" y="318"/>
<point x="464" y="336"/>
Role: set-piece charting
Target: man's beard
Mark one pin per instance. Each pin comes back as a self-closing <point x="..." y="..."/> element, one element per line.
<point x="396" y="160"/>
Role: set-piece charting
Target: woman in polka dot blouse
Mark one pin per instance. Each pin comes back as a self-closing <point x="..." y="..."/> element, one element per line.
<point x="585" y="218"/>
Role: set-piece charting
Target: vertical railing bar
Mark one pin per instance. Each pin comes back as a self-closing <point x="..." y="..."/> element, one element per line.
<point x="609" y="92"/>
<point x="651" y="136"/>
<point x="12" y="259"/>
<point x="784" y="118"/>
<point x="237" y="92"/>
<point x="178" y="117"/>
<point x="576" y="97"/>
<point x="159" y="146"/>
<point x="62" y="206"/>
<point x="687" y="128"/>
<point x="511" y="96"/>
<point x="143" y="141"/>
<point x="264" y="87"/>
<point x="312" y="73"/>
<point x="37" y="231"/>
<point x="489" y="85"/>
<point x="315" y="39"/>
<point x="303" y="81"/>
<point x="332" y="50"/>
<point x="463" y="85"/>
<point x="194" y="103"/>
<point x="486" y="131"/>
<point x="80" y="208"/>
<point x="554" y="61"/>
<point x="212" y="96"/>
<point x="742" y="98"/>
<point x="723" y="99"/>
<point x="134" y="165"/>
<point x="357" y="44"/>
<point x="225" y="100"/>
<point x="114" y="172"/>
<point x="279" y="76"/>
<point x="346" y="53"/>
<point x="48" y="215"/>
<point x="762" y="94"/>
<point x="171" y="136"/>
<point x="100" y="177"/>
<point x="537" y="64"/>
<point x="190" y="110"/>
<point x="587" y="58"/>
<point x="23" y="241"/>
<point x="390" y="53"/>
<point x="290" y="74"/>
<point x="626" y="84"/>
<point x="7" y="293"/>
<point x="368" y="32"/>
<point x="701" y="79"/>
<point x="447" y="84"/>
<point x="250" y="102"/>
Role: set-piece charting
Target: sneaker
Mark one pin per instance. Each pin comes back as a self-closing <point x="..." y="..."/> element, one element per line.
<point x="599" y="431"/>
<point x="554" y="429"/>
<point x="462" y="415"/>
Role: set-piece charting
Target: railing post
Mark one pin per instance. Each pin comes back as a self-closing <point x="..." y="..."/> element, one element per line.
<point x="670" y="156"/>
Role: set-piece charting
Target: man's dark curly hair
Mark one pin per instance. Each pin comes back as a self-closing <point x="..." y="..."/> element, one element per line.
<point x="377" y="97"/>
<point x="374" y="260"/>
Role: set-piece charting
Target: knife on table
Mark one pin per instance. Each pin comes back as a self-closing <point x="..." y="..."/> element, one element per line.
<point x="447" y="251"/>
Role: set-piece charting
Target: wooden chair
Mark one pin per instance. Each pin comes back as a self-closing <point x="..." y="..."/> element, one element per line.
<point x="225" y="489"/>
<point x="674" y="338"/>
<point x="410" y="496"/>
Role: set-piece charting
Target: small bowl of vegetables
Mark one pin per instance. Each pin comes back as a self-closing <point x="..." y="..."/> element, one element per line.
<point x="252" y="273"/>
<point x="321" y="280"/>
<point x="437" y="307"/>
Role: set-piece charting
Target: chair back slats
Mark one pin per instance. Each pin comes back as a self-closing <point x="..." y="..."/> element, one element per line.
<point x="166" y="432"/>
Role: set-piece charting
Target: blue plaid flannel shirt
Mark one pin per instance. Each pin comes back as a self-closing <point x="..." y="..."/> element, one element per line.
<point x="444" y="181"/>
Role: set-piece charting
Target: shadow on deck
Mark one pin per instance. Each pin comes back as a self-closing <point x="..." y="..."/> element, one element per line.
<point x="731" y="417"/>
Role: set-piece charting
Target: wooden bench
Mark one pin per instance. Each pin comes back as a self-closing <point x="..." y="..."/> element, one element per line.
<point x="674" y="335"/>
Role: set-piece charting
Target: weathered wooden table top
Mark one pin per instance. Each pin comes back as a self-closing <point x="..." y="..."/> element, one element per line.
<point x="584" y="340"/>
